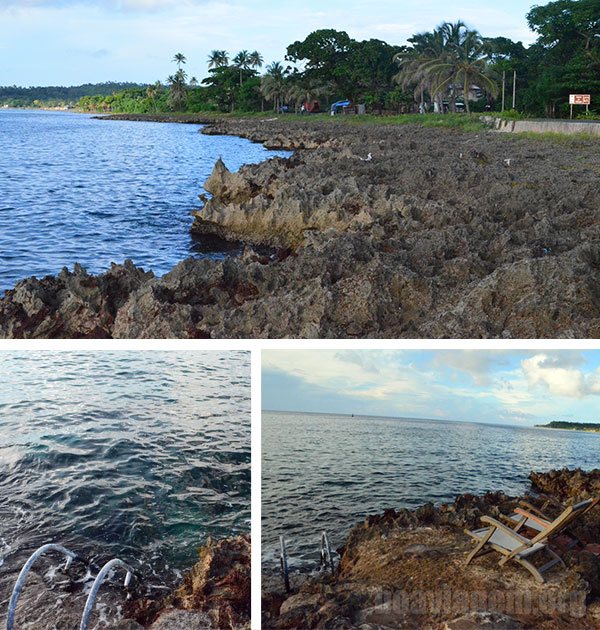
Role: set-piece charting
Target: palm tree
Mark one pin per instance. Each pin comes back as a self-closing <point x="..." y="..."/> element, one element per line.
<point x="464" y="65"/>
<point x="451" y="56"/>
<point x="178" y="89"/>
<point x="152" y="91"/>
<point x="273" y="85"/>
<point x="218" y="59"/>
<point x="242" y="62"/>
<point x="179" y="59"/>
<point x="256" y="60"/>
<point x="305" y="90"/>
<point x="426" y="47"/>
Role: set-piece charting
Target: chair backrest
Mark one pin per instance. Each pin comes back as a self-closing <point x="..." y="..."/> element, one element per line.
<point x="568" y="515"/>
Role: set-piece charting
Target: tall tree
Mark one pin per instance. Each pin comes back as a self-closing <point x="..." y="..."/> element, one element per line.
<point x="242" y="62"/>
<point x="325" y="55"/>
<point x="412" y="62"/>
<point x="179" y="59"/>
<point x="371" y="70"/>
<point x="566" y="56"/>
<point x="178" y="90"/>
<point x="218" y="59"/>
<point x="222" y="86"/>
<point x="256" y="60"/>
<point x="152" y="93"/>
<point x="451" y="58"/>
<point x="273" y="85"/>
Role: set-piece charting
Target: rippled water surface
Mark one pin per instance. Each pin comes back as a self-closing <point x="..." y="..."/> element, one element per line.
<point x="75" y="189"/>
<point x="329" y="472"/>
<point x="138" y="455"/>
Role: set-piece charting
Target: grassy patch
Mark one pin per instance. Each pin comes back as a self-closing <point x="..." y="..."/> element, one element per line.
<point x="466" y="122"/>
<point x="552" y="136"/>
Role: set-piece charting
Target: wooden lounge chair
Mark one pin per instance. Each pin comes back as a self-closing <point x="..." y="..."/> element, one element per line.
<point x="513" y="546"/>
<point x="527" y="516"/>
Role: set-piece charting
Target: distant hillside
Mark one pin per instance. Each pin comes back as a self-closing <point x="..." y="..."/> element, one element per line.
<point x="574" y="426"/>
<point x="58" y="95"/>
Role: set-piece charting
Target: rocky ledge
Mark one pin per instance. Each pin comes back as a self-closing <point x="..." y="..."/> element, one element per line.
<point x="214" y="594"/>
<point x="375" y="231"/>
<point x="406" y="569"/>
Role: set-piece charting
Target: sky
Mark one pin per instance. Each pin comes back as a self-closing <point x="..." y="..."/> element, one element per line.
<point x="70" y="42"/>
<point x="491" y="386"/>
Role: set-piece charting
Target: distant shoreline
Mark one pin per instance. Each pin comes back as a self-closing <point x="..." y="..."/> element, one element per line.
<point x="189" y="119"/>
<point x="585" y="427"/>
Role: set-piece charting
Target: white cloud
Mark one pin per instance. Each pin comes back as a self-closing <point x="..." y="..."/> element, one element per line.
<point x="559" y="377"/>
<point x="361" y="373"/>
<point x="475" y="363"/>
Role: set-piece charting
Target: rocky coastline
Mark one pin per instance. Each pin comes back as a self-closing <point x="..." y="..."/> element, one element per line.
<point x="189" y="119"/>
<point x="406" y="569"/>
<point x="373" y="231"/>
<point x="214" y="594"/>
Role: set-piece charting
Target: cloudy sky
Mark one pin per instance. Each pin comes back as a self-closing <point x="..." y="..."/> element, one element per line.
<point x="504" y="387"/>
<point x="68" y="42"/>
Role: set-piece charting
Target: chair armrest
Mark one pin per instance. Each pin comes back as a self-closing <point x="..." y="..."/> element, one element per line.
<point x="507" y="530"/>
<point x="534" y="517"/>
<point x="534" y="510"/>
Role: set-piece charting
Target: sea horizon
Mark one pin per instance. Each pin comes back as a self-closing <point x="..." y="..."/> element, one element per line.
<point x="417" y="419"/>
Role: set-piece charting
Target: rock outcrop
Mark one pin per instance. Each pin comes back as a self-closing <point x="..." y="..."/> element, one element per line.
<point x="406" y="569"/>
<point x="375" y="231"/>
<point x="215" y="593"/>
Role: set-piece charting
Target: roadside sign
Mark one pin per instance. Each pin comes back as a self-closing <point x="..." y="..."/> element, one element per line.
<point x="579" y="99"/>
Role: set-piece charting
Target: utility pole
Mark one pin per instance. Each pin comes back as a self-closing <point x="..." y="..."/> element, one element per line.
<point x="503" y="87"/>
<point x="514" y="89"/>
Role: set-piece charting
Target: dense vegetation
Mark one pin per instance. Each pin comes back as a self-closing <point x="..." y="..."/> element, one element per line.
<point x="575" y="426"/>
<point x="56" y="95"/>
<point x="453" y="68"/>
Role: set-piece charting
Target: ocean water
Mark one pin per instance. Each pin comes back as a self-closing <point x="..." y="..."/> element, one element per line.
<point x="75" y="189"/>
<point x="136" y="455"/>
<point x="330" y="471"/>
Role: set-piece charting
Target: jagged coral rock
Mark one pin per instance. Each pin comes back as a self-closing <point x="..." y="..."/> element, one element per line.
<point x="432" y="237"/>
<point x="215" y="593"/>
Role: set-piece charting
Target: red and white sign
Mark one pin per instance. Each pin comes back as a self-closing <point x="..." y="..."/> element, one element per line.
<point x="579" y="99"/>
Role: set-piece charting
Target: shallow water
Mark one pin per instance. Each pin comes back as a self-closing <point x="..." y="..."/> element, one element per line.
<point x="329" y="471"/>
<point x="76" y="189"/>
<point x="137" y="455"/>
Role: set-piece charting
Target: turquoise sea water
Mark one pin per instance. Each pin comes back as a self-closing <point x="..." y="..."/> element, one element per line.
<point x="137" y="455"/>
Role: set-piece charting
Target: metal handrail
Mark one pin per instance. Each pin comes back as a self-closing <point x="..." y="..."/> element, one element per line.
<point x="91" y="600"/>
<point x="326" y="557"/>
<point x="283" y="561"/>
<point x="12" y="604"/>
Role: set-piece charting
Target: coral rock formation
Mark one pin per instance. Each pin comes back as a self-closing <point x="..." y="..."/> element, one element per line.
<point x="214" y="594"/>
<point x="406" y="569"/>
<point x="440" y="234"/>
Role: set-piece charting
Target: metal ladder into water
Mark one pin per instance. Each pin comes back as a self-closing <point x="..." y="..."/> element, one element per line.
<point x="91" y="600"/>
<point x="327" y="561"/>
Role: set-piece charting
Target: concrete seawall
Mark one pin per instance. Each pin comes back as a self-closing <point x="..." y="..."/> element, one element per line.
<point x="547" y="126"/>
